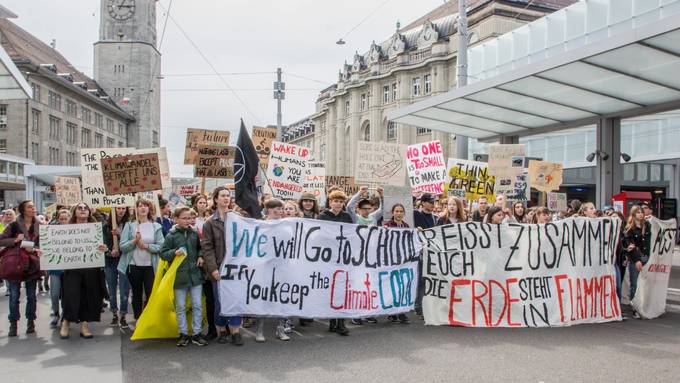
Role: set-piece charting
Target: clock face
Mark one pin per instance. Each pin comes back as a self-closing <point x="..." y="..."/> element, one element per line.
<point x="121" y="9"/>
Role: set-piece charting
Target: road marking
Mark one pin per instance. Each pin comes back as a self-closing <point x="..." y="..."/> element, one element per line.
<point x="252" y="334"/>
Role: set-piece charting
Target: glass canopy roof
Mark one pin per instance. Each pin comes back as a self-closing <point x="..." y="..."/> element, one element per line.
<point x="13" y="85"/>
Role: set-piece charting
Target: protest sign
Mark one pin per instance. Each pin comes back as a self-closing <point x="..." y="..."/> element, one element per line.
<point x="518" y="275"/>
<point x="66" y="247"/>
<point x="262" y="140"/>
<point x="471" y="176"/>
<point x="380" y="163"/>
<point x="426" y="167"/>
<point x="545" y="176"/>
<point x="68" y="191"/>
<point x="652" y="283"/>
<point x="215" y="162"/>
<point x="346" y="183"/>
<point x="188" y="190"/>
<point x="514" y="187"/>
<point x="398" y="195"/>
<point x="131" y="173"/>
<point x="506" y="160"/>
<point x="557" y="201"/>
<point x="316" y="269"/>
<point x="202" y="137"/>
<point x="315" y="180"/>
<point x="459" y="193"/>
<point x="94" y="193"/>
<point x="286" y="171"/>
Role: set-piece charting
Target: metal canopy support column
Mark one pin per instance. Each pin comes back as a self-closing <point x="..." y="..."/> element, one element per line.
<point x="609" y="171"/>
<point x="506" y="140"/>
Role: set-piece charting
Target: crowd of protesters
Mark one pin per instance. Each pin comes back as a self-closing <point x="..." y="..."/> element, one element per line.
<point x="135" y="239"/>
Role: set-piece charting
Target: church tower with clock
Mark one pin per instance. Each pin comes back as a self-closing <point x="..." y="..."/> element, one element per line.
<point x="127" y="65"/>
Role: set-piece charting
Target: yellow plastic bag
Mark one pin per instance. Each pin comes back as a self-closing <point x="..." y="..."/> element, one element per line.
<point x="158" y="320"/>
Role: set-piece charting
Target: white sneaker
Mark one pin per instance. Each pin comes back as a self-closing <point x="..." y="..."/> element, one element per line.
<point x="259" y="337"/>
<point x="281" y="334"/>
<point x="259" y="332"/>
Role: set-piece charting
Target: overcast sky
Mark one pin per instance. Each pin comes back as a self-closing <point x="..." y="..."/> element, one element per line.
<point x="236" y="36"/>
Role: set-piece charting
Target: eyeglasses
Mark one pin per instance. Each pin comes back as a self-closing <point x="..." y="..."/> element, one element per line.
<point x="83" y="208"/>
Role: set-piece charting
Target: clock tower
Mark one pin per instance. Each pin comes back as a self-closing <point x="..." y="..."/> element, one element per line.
<point x="127" y="65"/>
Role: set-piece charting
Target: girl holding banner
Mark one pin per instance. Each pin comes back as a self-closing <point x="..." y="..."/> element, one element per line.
<point x="115" y="280"/>
<point x="140" y="244"/>
<point x="82" y="288"/>
<point x="637" y="236"/>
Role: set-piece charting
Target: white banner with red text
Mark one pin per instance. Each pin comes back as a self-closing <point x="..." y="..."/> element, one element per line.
<point x="517" y="275"/>
<point x="652" y="283"/>
<point x="297" y="267"/>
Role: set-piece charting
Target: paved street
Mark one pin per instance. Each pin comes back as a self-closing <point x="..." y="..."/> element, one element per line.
<point x="626" y="351"/>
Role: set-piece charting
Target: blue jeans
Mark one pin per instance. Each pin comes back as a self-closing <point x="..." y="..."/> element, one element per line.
<point x="55" y="292"/>
<point x="196" y="295"/>
<point x="114" y="281"/>
<point x="15" y="294"/>
<point x="632" y="271"/>
<point x="220" y="320"/>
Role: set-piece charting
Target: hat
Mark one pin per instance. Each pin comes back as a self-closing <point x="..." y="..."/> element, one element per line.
<point x="364" y="202"/>
<point x="308" y="196"/>
<point x="427" y="197"/>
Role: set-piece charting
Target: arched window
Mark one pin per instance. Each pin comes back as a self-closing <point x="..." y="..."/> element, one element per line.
<point x="366" y="134"/>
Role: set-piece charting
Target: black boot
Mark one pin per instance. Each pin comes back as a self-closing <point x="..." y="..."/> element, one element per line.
<point x="30" y="327"/>
<point x="333" y="325"/>
<point x="341" y="329"/>
<point x="12" y="328"/>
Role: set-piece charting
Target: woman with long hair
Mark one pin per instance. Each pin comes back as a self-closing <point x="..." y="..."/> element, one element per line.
<point x="24" y="232"/>
<point x="200" y="205"/>
<point x="529" y="216"/>
<point x="637" y="236"/>
<point x="518" y="211"/>
<point x="140" y="244"/>
<point x="115" y="280"/>
<point x="290" y="209"/>
<point x="309" y="205"/>
<point x="453" y="213"/>
<point x="61" y="218"/>
<point x="494" y="215"/>
<point x="542" y="215"/>
<point x="82" y="288"/>
<point x="398" y="214"/>
<point x="587" y="210"/>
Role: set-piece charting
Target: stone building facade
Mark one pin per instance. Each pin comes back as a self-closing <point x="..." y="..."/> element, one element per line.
<point x="416" y="62"/>
<point x="68" y="110"/>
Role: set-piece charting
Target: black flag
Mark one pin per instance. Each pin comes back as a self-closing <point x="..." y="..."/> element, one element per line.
<point x="246" y="166"/>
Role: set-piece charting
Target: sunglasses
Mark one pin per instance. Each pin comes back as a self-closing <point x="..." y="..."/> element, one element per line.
<point x="83" y="208"/>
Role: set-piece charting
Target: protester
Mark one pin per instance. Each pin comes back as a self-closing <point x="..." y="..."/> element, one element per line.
<point x="494" y="215"/>
<point x="637" y="236"/>
<point x="83" y="289"/>
<point x="574" y="207"/>
<point x="397" y="221"/>
<point x="213" y="246"/>
<point x="542" y="215"/>
<point x="55" y="276"/>
<point x="621" y="257"/>
<point x="336" y="213"/>
<point x="309" y="205"/>
<point x="424" y="218"/>
<point x="200" y="205"/>
<point x="116" y="282"/>
<point x="360" y="207"/>
<point x="8" y="217"/>
<point x="587" y="210"/>
<point x="183" y="240"/>
<point x="23" y="236"/>
<point x="646" y="209"/>
<point x="529" y="216"/>
<point x="480" y="212"/>
<point x="291" y="209"/>
<point x="518" y="212"/>
<point x="164" y="216"/>
<point x="140" y="244"/>
<point x="453" y="213"/>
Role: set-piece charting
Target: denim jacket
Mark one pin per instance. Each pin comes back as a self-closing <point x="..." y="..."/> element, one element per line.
<point x="127" y="246"/>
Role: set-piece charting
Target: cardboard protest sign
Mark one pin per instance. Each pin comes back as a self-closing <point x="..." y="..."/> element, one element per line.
<point x="506" y="160"/>
<point x="166" y="182"/>
<point x="286" y="171"/>
<point x="426" y="167"/>
<point x="66" y="247"/>
<point x="315" y="180"/>
<point x="68" y="191"/>
<point x="471" y="176"/>
<point x="94" y="193"/>
<point x="346" y="183"/>
<point x="202" y="137"/>
<point x="188" y="190"/>
<point x="380" y="163"/>
<point x="398" y="195"/>
<point x="215" y="162"/>
<point x="131" y="173"/>
<point x="557" y="201"/>
<point x="545" y="176"/>
<point x="652" y="283"/>
<point x="346" y="271"/>
<point x="263" y="138"/>
<point x="518" y="275"/>
<point x="514" y="187"/>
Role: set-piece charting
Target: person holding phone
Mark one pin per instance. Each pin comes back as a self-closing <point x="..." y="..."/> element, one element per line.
<point x="183" y="240"/>
<point x="24" y="232"/>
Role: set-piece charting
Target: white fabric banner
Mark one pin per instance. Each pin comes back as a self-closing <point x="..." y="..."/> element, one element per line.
<point x="516" y="275"/>
<point x="298" y="267"/>
<point x="652" y="283"/>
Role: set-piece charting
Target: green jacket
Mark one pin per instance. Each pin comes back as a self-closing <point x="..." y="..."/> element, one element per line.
<point x="188" y="273"/>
